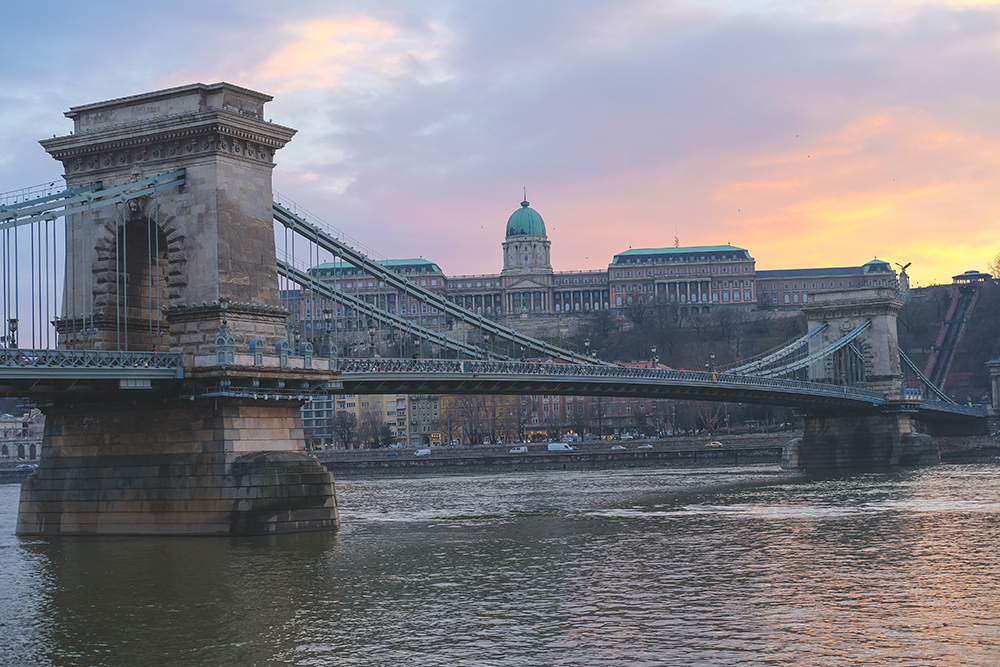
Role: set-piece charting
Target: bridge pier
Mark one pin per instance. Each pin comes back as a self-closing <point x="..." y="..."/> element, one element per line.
<point x="860" y="441"/>
<point x="220" y="466"/>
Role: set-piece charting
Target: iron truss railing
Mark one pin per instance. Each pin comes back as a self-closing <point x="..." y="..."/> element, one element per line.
<point x="431" y="367"/>
<point x="280" y="391"/>
<point x="323" y="240"/>
<point x="87" y="198"/>
<point x="88" y="363"/>
<point x="952" y="408"/>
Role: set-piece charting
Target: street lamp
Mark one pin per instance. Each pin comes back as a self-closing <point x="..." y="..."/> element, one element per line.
<point x="586" y="347"/>
<point x="712" y="357"/>
<point x="655" y="359"/>
<point x="88" y="337"/>
<point x="328" y="349"/>
<point x="11" y="340"/>
<point x="224" y="302"/>
<point x="371" y="338"/>
<point x="486" y="344"/>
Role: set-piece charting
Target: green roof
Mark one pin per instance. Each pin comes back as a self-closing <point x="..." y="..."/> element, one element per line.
<point x="649" y="254"/>
<point x="877" y="266"/>
<point x="525" y="220"/>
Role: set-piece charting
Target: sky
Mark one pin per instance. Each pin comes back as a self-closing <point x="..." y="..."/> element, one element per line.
<point x="811" y="133"/>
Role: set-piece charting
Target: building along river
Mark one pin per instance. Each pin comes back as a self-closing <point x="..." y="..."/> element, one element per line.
<point x="642" y="566"/>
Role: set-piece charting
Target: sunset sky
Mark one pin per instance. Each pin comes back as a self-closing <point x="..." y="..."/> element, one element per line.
<point x="810" y="133"/>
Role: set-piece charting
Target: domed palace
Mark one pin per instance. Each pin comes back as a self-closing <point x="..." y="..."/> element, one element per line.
<point x="527" y="268"/>
<point x="692" y="279"/>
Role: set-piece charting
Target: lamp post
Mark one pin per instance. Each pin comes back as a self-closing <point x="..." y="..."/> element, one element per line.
<point x="327" y="348"/>
<point x="486" y="345"/>
<point x="298" y="336"/>
<point x="11" y="339"/>
<point x="88" y="337"/>
<point x="712" y="358"/>
<point x="586" y="347"/>
<point x="371" y="338"/>
<point x="655" y="361"/>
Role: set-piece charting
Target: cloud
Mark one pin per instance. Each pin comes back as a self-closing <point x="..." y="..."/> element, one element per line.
<point x="810" y="132"/>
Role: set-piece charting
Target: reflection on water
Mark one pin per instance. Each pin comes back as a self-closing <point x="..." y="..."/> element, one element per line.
<point x="741" y="566"/>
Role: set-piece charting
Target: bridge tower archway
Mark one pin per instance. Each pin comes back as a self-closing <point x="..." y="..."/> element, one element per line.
<point x="141" y="287"/>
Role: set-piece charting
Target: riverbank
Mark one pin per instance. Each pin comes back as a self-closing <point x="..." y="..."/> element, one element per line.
<point x="683" y="451"/>
<point x="680" y="451"/>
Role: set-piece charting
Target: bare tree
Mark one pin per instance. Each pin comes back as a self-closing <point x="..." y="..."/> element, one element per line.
<point x="370" y="429"/>
<point x="993" y="267"/>
<point x="470" y="412"/>
<point x="732" y="323"/>
<point x="638" y="313"/>
<point x="345" y="428"/>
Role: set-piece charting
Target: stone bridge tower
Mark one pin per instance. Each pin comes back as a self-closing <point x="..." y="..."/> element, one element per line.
<point x="872" y="359"/>
<point x="880" y="436"/>
<point x="168" y="258"/>
<point x="190" y="270"/>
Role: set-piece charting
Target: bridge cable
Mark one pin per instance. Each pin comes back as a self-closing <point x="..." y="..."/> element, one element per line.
<point x="372" y="311"/>
<point x="923" y="378"/>
<point x="819" y="354"/>
<point x="781" y="353"/>
<point x="358" y="259"/>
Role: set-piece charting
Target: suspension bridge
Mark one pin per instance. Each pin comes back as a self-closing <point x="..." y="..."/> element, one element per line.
<point x="143" y="310"/>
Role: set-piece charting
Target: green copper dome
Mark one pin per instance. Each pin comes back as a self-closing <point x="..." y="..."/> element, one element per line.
<point x="525" y="221"/>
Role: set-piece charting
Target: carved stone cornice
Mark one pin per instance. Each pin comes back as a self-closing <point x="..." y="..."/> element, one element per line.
<point x="160" y="128"/>
<point x="237" y="310"/>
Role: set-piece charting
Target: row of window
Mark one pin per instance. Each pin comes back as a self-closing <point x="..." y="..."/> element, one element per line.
<point x="577" y="281"/>
<point x="823" y="285"/>
<point x="671" y="286"/>
<point x="670" y="272"/>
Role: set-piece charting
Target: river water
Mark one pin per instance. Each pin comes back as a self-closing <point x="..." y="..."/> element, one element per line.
<point x="645" y="566"/>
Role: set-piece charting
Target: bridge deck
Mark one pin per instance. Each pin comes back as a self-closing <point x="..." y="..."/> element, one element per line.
<point x="375" y="376"/>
